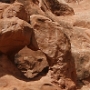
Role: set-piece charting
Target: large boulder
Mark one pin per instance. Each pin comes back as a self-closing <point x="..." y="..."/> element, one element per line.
<point x="55" y="44"/>
<point x="84" y="23"/>
<point x="14" y="35"/>
<point x="31" y="63"/>
<point x="16" y="10"/>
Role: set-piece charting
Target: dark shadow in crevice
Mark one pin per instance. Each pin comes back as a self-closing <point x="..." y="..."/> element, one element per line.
<point x="5" y="1"/>
<point x="83" y="82"/>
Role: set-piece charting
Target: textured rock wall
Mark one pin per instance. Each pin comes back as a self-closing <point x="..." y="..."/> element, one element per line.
<point x="26" y="25"/>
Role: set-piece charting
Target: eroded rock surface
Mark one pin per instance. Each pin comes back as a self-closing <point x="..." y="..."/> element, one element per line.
<point x="71" y="17"/>
<point x="80" y="38"/>
<point x="56" y="7"/>
<point x="16" y="10"/>
<point x="5" y="1"/>
<point x="3" y="6"/>
<point x="32" y="6"/>
<point x="31" y="63"/>
<point x="55" y="44"/>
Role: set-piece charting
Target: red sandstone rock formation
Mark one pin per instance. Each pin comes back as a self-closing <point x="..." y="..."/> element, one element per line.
<point x="55" y="44"/>
<point x="59" y="29"/>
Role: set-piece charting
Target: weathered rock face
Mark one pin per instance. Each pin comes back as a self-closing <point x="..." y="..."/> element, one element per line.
<point x="31" y="63"/>
<point x="56" y="7"/>
<point x="47" y="36"/>
<point x="16" y="10"/>
<point x="47" y="8"/>
<point x="84" y="23"/>
<point x="55" y="44"/>
<point x="80" y="38"/>
<point x="82" y="60"/>
<point x="14" y="35"/>
<point x="70" y="1"/>
<point x="32" y="6"/>
<point x="52" y="35"/>
<point x="80" y="50"/>
<point x="3" y="6"/>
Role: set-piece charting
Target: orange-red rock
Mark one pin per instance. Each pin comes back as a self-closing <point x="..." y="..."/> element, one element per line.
<point x="16" y="10"/>
<point x="31" y="6"/>
<point x="55" y="44"/>
<point x="14" y="35"/>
